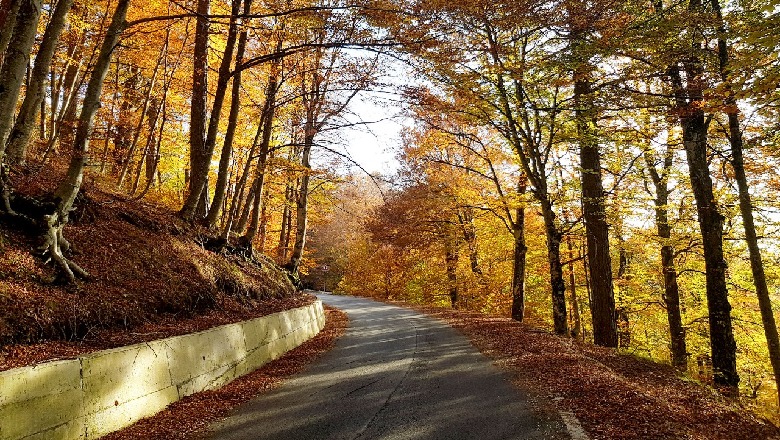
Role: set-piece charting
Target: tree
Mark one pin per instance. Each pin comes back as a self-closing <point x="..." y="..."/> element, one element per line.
<point x="14" y="66"/>
<point x="19" y="137"/>
<point x="593" y="195"/>
<point x="200" y="157"/>
<point x="227" y="147"/>
<point x="689" y="96"/>
<point x="734" y="136"/>
<point x="330" y="80"/>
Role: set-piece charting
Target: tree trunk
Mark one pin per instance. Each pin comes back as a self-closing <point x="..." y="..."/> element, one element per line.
<point x="466" y="223"/>
<point x="152" y="167"/>
<point x="263" y="228"/>
<point x="33" y="98"/>
<point x="269" y="113"/>
<point x="199" y="156"/>
<point x="127" y="162"/>
<point x="147" y="156"/>
<point x="12" y="73"/>
<point x="679" y="351"/>
<point x="241" y="189"/>
<point x="451" y="265"/>
<point x="71" y="82"/>
<point x="694" y="128"/>
<point x="302" y="203"/>
<point x="69" y="188"/>
<point x="575" y="304"/>
<point x="238" y="201"/>
<point x="64" y="131"/>
<point x="227" y="146"/>
<point x="594" y="213"/>
<point x="518" y="260"/>
<point x="246" y="211"/>
<point x="556" y="269"/>
<point x="8" y="11"/>
<point x="711" y="224"/>
<point x="746" y="204"/>
<point x="200" y="168"/>
<point x="281" y="253"/>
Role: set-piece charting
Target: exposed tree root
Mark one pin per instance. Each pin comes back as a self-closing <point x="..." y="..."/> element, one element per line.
<point x="55" y="245"/>
<point x="5" y="191"/>
<point x="35" y="217"/>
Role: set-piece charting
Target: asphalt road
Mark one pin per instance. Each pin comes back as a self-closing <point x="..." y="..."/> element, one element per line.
<point x="395" y="374"/>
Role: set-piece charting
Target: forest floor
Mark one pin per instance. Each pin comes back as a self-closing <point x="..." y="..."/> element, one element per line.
<point x="615" y="396"/>
<point x="151" y="277"/>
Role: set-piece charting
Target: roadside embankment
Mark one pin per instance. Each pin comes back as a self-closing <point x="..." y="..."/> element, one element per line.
<point x="93" y="395"/>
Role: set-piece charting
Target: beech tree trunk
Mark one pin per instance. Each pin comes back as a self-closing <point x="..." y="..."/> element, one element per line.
<point x="33" y="98"/>
<point x="678" y="349"/>
<point x="518" y="260"/>
<point x="246" y="211"/>
<point x="8" y="11"/>
<point x="451" y="265"/>
<point x="269" y="112"/>
<point x="594" y="212"/>
<point x="227" y="146"/>
<point x="153" y="160"/>
<point x="69" y="188"/>
<point x="520" y="130"/>
<point x="12" y="73"/>
<point x="554" y="237"/>
<point x="148" y="154"/>
<point x="241" y="188"/>
<point x="746" y="204"/>
<point x="284" y="232"/>
<point x="199" y="156"/>
<point x="688" y="99"/>
<point x="200" y="168"/>
<point x="466" y="223"/>
<point x="128" y="160"/>
<point x="576" y="332"/>
<point x="302" y="202"/>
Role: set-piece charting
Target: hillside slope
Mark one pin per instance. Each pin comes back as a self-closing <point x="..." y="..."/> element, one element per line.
<point x="150" y="275"/>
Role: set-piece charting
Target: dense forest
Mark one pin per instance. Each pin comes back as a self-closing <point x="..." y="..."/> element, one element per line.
<point x="605" y="169"/>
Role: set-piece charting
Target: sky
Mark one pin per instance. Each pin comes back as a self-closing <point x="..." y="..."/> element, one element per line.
<point x="374" y="145"/>
<point x="378" y="114"/>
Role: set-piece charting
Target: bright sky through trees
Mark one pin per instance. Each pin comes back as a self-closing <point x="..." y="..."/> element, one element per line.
<point x="373" y="145"/>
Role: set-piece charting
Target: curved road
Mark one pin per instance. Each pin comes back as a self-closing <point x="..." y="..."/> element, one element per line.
<point x="395" y="374"/>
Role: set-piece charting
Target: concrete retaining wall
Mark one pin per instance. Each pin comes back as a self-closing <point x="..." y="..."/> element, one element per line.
<point x="93" y="395"/>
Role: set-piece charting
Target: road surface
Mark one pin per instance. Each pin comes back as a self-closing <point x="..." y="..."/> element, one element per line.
<point x="395" y="374"/>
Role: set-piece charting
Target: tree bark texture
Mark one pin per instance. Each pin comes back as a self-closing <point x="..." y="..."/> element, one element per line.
<point x="230" y="133"/>
<point x="746" y="204"/>
<point x="33" y="98"/>
<point x="8" y="11"/>
<point x="451" y="265"/>
<point x="694" y="128"/>
<point x="128" y="159"/>
<point x="284" y="230"/>
<point x="518" y="261"/>
<point x="69" y="188"/>
<point x="554" y="237"/>
<point x="302" y="202"/>
<point x="200" y="169"/>
<point x="678" y="349"/>
<point x="12" y="73"/>
<point x="199" y="157"/>
<point x="576" y="332"/>
<point x="594" y="213"/>
<point x="269" y="113"/>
